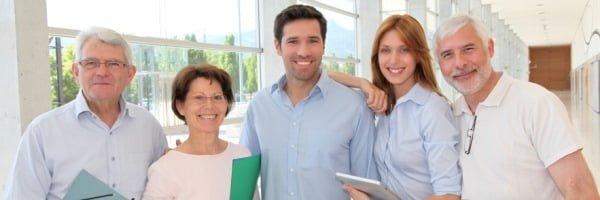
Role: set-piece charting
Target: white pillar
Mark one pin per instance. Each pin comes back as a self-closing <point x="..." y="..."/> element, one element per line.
<point x="368" y="21"/>
<point x="486" y="16"/>
<point x="475" y="9"/>
<point x="501" y="46"/>
<point x="445" y="10"/>
<point x="495" y="30"/>
<point x="463" y="6"/>
<point x="271" y="64"/>
<point x="25" y="76"/>
<point x="418" y="9"/>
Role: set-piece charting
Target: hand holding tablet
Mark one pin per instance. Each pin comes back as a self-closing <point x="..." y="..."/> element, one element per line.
<point x="372" y="187"/>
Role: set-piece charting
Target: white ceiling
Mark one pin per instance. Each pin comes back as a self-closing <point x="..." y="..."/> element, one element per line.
<point x="528" y="17"/>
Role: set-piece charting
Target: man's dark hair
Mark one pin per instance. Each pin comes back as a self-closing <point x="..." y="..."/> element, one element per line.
<point x="296" y="12"/>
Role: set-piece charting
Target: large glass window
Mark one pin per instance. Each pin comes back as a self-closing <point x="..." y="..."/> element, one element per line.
<point x="432" y="17"/>
<point x="169" y="19"/>
<point x="165" y="36"/>
<point x="393" y="7"/>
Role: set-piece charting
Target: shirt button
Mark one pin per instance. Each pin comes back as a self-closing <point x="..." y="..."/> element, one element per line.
<point x="114" y="185"/>
<point x="112" y="158"/>
<point x="292" y="170"/>
<point x="293" y="146"/>
<point x="294" y="124"/>
<point x="291" y="193"/>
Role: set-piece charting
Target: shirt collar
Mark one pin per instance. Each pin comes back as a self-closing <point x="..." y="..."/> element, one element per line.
<point x="494" y="99"/>
<point x="499" y="92"/>
<point x="320" y="88"/>
<point x="460" y="106"/>
<point x="81" y="105"/>
<point x="417" y="94"/>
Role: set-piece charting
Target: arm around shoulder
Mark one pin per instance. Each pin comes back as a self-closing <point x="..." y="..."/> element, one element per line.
<point x="376" y="98"/>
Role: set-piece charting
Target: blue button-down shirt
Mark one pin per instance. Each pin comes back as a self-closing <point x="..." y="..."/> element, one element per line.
<point x="416" y="147"/>
<point x="303" y="146"/>
<point x="58" y="144"/>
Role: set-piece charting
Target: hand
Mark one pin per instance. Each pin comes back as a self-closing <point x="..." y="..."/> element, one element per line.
<point x="444" y="197"/>
<point x="177" y="143"/>
<point x="376" y="98"/>
<point x="354" y="193"/>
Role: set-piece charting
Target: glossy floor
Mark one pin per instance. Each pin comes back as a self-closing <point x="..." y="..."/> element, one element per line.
<point x="587" y="125"/>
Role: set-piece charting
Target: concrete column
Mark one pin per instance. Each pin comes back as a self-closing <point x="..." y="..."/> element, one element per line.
<point x="25" y="76"/>
<point x="463" y="6"/>
<point x="271" y="64"/>
<point x="445" y="10"/>
<point x="486" y="16"/>
<point x="501" y="45"/>
<point x="368" y="21"/>
<point x="475" y="9"/>
<point x="418" y="9"/>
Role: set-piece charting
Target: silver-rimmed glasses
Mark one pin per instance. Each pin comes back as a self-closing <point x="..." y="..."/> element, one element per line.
<point x="469" y="140"/>
<point x="90" y="64"/>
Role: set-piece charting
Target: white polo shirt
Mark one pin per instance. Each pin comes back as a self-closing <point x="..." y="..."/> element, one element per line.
<point x="521" y="130"/>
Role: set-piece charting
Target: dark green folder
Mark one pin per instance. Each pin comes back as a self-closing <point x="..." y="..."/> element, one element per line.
<point x="244" y="176"/>
<point x="88" y="187"/>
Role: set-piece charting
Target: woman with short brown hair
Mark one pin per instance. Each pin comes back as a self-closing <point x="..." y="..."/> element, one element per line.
<point x="199" y="168"/>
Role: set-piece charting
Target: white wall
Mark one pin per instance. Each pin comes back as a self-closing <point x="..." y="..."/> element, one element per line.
<point x="590" y="21"/>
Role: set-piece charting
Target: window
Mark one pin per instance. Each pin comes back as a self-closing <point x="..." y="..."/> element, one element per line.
<point x="341" y="40"/>
<point x="393" y="7"/>
<point x="165" y="36"/>
<point x="432" y="17"/>
<point x="168" y="19"/>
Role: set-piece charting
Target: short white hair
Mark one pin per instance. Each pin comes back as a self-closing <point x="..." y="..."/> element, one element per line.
<point x="455" y="23"/>
<point x="105" y="35"/>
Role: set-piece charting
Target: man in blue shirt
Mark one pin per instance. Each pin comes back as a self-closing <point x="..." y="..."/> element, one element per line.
<point x="98" y="131"/>
<point x="306" y="126"/>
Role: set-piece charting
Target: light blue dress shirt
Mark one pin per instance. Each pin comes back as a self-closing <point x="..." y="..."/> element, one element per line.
<point x="416" y="146"/>
<point x="58" y="144"/>
<point x="331" y="130"/>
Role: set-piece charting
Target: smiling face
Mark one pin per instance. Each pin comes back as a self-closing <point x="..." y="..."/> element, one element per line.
<point x="302" y="49"/>
<point x="396" y="61"/>
<point x="102" y="83"/>
<point x="464" y="60"/>
<point x="205" y="106"/>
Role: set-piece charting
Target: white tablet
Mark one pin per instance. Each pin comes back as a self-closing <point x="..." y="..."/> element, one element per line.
<point x="372" y="187"/>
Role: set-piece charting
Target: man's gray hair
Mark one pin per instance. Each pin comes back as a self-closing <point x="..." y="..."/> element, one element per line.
<point x="456" y="22"/>
<point x="105" y="35"/>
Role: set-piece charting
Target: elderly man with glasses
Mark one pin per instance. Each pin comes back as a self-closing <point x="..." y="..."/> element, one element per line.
<point x="98" y="131"/>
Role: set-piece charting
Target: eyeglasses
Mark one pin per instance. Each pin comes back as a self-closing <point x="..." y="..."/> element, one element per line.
<point x="469" y="140"/>
<point x="94" y="64"/>
<point x="218" y="99"/>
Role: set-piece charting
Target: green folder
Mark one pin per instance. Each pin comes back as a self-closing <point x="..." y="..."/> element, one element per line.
<point x="244" y="176"/>
<point x="87" y="187"/>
